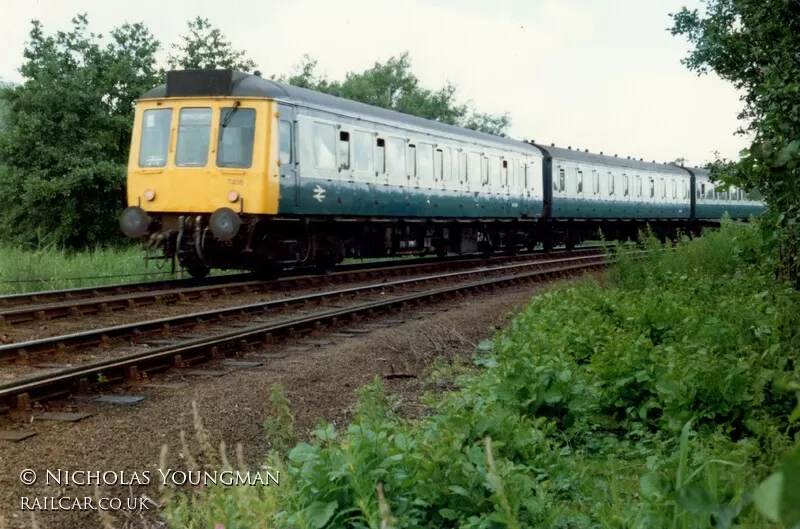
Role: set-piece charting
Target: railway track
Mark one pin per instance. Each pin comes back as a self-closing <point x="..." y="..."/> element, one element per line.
<point x="55" y="296"/>
<point x="240" y="329"/>
<point x="22" y="309"/>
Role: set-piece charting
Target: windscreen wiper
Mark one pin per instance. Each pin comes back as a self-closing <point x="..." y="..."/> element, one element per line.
<point x="227" y="120"/>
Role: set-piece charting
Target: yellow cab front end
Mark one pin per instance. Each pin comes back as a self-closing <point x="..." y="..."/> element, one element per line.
<point x="198" y="164"/>
<point x="183" y="161"/>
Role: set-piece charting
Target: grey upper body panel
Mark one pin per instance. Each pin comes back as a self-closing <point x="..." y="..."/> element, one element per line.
<point x="247" y="85"/>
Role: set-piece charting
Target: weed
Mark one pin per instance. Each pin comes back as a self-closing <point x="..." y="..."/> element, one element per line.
<point x="661" y="398"/>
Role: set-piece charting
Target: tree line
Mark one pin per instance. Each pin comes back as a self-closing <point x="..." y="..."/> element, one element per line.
<point x="65" y="131"/>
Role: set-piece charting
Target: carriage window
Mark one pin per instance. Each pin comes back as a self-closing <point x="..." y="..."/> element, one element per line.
<point x="596" y="182"/>
<point x="638" y="185"/>
<point x="235" y="140"/>
<point x="561" y="184"/>
<point x="625" y="185"/>
<point x="462" y="167"/>
<point x="447" y="166"/>
<point x="663" y="188"/>
<point x="526" y="175"/>
<point x="362" y="151"/>
<point x="380" y="156"/>
<point x="579" y="184"/>
<point x="194" y="137"/>
<point x="494" y="170"/>
<point x="474" y="167"/>
<point x="484" y="170"/>
<point x="155" y="137"/>
<point x="504" y="173"/>
<point x="652" y="188"/>
<point x="674" y="189"/>
<point x="610" y="183"/>
<point x="324" y="146"/>
<point x="396" y="157"/>
<point x="425" y="153"/>
<point x="438" y="160"/>
<point x="344" y="150"/>
<point x="411" y="161"/>
<point x="285" y="134"/>
<point x="685" y="189"/>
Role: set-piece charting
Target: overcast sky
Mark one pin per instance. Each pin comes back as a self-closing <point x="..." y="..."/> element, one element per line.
<point x="598" y="74"/>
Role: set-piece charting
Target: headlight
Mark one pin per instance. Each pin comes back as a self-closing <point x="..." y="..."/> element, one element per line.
<point x="225" y="224"/>
<point x="134" y="222"/>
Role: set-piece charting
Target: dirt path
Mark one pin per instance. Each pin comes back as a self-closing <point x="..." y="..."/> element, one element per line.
<point x="320" y="383"/>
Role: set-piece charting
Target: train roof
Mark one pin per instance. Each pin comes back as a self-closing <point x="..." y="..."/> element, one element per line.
<point x="699" y="172"/>
<point x="602" y="159"/>
<point x="213" y="83"/>
<point x="229" y="83"/>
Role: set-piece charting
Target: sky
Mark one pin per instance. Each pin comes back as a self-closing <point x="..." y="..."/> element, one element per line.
<point x="603" y="75"/>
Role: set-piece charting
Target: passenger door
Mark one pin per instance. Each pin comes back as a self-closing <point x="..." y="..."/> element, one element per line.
<point x="287" y="152"/>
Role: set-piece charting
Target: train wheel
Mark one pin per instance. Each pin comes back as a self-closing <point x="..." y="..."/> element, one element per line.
<point x="198" y="271"/>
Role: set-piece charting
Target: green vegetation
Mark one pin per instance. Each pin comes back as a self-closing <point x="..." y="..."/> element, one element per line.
<point x="47" y="268"/>
<point x="65" y="131"/>
<point x="661" y="397"/>
<point x="753" y="45"/>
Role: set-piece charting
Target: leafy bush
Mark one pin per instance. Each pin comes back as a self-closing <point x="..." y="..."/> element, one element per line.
<point x="661" y="400"/>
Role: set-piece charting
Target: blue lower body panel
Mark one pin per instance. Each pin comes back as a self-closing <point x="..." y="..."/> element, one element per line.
<point x="320" y="196"/>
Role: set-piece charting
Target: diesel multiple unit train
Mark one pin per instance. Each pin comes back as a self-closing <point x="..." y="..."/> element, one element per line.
<point x="230" y="170"/>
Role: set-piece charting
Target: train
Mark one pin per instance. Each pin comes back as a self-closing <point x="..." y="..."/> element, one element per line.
<point x="230" y="170"/>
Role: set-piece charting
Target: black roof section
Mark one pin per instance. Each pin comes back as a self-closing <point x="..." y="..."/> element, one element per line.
<point x="217" y="83"/>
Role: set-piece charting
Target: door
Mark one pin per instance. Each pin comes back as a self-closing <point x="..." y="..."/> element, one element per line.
<point x="287" y="142"/>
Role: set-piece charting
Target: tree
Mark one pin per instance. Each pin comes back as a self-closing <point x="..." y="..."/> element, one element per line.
<point x="205" y="47"/>
<point x="394" y="86"/>
<point x="68" y="130"/>
<point x="3" y="104"/>
<point x="754" y="45"/>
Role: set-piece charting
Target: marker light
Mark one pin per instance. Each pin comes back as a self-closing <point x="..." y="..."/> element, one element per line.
<point x="149" y="195"/>
<point x="233" y="196"/>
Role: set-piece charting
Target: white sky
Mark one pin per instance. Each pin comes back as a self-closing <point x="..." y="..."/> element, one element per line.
<point x="598" y="74"/>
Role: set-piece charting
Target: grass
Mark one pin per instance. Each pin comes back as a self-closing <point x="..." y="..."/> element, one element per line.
<point x="47" y="268"/>
<point x="662" y="397"/>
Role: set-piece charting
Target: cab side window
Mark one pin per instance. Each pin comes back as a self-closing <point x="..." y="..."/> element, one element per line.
<point x="285" y="134"/>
